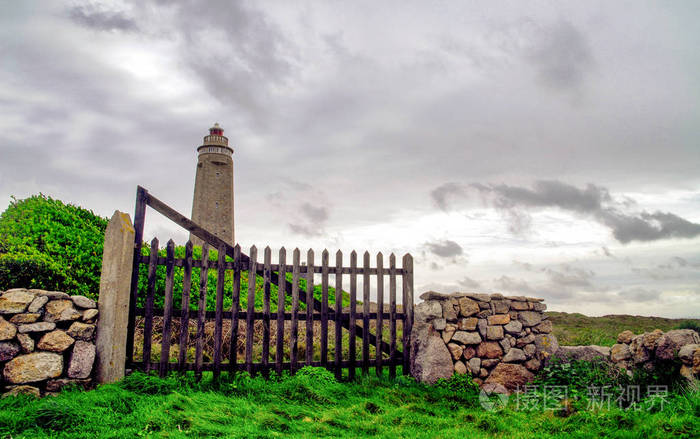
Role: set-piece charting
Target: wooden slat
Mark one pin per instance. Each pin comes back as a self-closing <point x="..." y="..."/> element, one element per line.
<point x="408" y="307"/>
<point x="309" y="309"/>
<point x="267" y="276"/>
<point x="365" y="314"/>
<point x="185" y="309"/>
<point x="139" y="220"/>
<point x="167" y="309"/>
<point x="324" y="308"/>
<point x="353" y="311"/>
<point x="250" y="317"/>
<point x="281" y="304"/>
<point x="150" y="292"/>
<point x="392" y="313"/>
<point x="201" y="310"/>
<point x="295" y="310"/>
<point x="235" y="308"/>
<point x="218" y="319"/>
<point x="338" y="311"/>
<point x="380" y="310"/>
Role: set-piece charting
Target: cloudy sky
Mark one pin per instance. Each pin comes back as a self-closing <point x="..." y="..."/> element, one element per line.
<point x="539" y="148"/>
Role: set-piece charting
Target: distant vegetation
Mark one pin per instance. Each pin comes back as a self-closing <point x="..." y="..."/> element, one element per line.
<point x="574" y="329"/>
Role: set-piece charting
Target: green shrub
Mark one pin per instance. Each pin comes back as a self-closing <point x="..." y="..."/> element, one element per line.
<point x="47" y="244"/>
<point x="689" y="324"/>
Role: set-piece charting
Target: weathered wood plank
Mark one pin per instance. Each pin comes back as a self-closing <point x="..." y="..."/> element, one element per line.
<point x="281" y="304"/>
<point x="408" y="309"/>
<point x="267" y="276"/>
<point x="185" y="309"/>
<point x="324" y="308"/>
<point x="139" y="220"/>
<point x="365" y="314"/>
<point x="380" y="310"/>
<point x="150" y="292"/>
<point x="235" y="308"/>
<point x="201" y="310"/>
<point x="250" y="317"/>
<point x="392" y="314"/>
<point x="309" y="308"/>
<point x="218" y="319"/>
<point x="167" y="309"/>
<point x="353" y="311"/>
<point x="338" y="311"/>
<point x="295" y="310"/>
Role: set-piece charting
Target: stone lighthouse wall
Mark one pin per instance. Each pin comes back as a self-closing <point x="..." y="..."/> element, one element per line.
<point x="212" y="206"/>
<point x="499" y="340"/>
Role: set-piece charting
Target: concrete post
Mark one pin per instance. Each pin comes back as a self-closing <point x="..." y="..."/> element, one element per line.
<point x="113" y="304"/>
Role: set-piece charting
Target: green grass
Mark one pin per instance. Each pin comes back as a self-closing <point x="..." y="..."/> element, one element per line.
<point x="313" y="404"/>
<point x="574" y="329"/>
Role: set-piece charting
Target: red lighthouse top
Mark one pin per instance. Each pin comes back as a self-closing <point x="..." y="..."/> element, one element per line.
<point x="216" y="130"/>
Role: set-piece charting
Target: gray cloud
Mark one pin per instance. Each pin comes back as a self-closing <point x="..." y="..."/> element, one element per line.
<point x="469" y="283"/>
<point x="96" y="17"/>
<point x="442" y="194"/>
<point x="639" y="295"/>
<point x="561" y="55"/>
<point x="592" y="201"/>
<point x="445" y="248"/>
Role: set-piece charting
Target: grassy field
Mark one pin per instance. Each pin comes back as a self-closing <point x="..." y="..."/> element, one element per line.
<point x="313" y="404"/>
<point x="575" y="329"/>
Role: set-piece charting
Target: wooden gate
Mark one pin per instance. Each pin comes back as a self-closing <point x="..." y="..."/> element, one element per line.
<point x="304" y="293"/>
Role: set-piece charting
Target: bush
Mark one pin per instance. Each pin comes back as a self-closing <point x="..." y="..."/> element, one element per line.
<point x="47" y="244"/>
<point x="689" y="324"/>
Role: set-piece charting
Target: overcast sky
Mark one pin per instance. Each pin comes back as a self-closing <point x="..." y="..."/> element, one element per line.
<point x="549" y="149"/>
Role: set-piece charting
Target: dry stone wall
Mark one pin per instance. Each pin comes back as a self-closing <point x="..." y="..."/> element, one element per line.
<point x="648" y="349"/>
<point x="500" y="340"/>
<point x="46" y="341"/>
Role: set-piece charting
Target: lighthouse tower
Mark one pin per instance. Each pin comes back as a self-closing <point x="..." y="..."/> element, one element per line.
<point x="212" y="207"/>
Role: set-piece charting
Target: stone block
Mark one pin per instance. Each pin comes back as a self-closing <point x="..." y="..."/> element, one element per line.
<point x="15" y="301"/>
<point x="513" y="327"/>
<point x="530" y="318"/>
<point x="55" y="341"/>
<point x="26" y="342"/>
<point x="466" y="337"/>
<point x="460" y="368"/>
<point x="82" y="359"/>
<point x="494" y="332"/>
<point x="467" y="323"/>
<point x="511" y="376"/>
<point x="7" y="330"/>
<point x="489" y="349"/>
<point x="498" y="319"/>
<point x="8" y="350"/>
<point x="514" y="355"/>
<point x="19" y="319"/>
<point x="33" y="367"/>
<point x="37" y="304"/>
<point x="468" y="307"/>
<point x="36" y="327"/>
<point x="61" y="310"/>
<point x="83" y="302"/>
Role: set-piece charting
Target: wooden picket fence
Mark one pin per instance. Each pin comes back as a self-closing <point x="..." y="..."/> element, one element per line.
<point x="355" y="323"/>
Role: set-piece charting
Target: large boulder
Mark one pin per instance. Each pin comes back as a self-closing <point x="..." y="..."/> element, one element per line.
<point x="510" y="375"/>
<point x="430" y="358"/>
<point x="668" y="345"/>
<point x="33" y="367"/>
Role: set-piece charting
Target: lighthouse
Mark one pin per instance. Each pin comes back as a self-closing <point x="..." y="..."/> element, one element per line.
<point x="212" y="206"/>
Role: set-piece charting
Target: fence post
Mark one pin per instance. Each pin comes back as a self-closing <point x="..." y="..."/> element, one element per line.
<point x="113" y="303"/>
